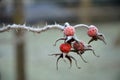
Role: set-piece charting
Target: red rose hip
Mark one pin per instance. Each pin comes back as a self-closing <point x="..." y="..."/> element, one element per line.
<point x="69" y="31"/>
<point x="79" y="46"/>
<point x="92" y="31"/>
<point x="65" y="48"/>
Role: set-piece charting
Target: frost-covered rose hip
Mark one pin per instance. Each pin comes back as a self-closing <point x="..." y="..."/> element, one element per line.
<point x="69" y="31"/>
<point x="93" y="32"/>
<point x="69" y="34"/>
<point x="80" y="48"/>
<point x="73" y="44"/>
<point x="65" y="48"/>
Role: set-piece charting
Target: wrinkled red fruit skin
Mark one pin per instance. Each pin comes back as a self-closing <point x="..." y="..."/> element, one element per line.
<point x="69" y="31"/>
<point x="92" y="32"/>
<point x="79" y="46"/>
<point x="65" y="48"/>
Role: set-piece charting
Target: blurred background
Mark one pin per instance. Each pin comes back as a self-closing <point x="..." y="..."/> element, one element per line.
<point x="25" y="55"/>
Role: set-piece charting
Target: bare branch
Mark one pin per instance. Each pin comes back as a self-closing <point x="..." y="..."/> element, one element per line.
<point x="81" y="25"/>
<point x="29" y="28"/>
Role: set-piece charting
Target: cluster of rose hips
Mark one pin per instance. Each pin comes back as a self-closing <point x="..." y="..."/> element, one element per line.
<point x="73" y="44"/>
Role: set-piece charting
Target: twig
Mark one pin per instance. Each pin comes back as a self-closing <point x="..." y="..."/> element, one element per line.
<point x="38" y="29"/>
<point x="29" y="28"/>
<point x="81" y="25"/>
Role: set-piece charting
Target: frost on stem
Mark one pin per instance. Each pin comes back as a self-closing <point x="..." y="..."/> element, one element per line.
<point x="71" y="42"/>
<point x="29" y="28"/>
<point x="34" y="29"/>
<point x="81" y="25"/>
<point x="77" y="46"/>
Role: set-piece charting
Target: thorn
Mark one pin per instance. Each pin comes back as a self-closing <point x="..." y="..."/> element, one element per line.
<point x="55" y="23"/>
<point x="3" y="24"/>
<point x="46" y="23"/>
<point x="24" y="23"/>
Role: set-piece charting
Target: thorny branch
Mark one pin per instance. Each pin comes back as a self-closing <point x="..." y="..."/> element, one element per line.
<point x="34" y="29"/>
<point x="29" y="28"/>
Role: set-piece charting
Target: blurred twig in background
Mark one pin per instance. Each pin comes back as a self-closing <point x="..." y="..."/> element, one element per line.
<point x="117" y="40"/>
<point x="85" y="7"/>
<point x="18" y="17"/>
